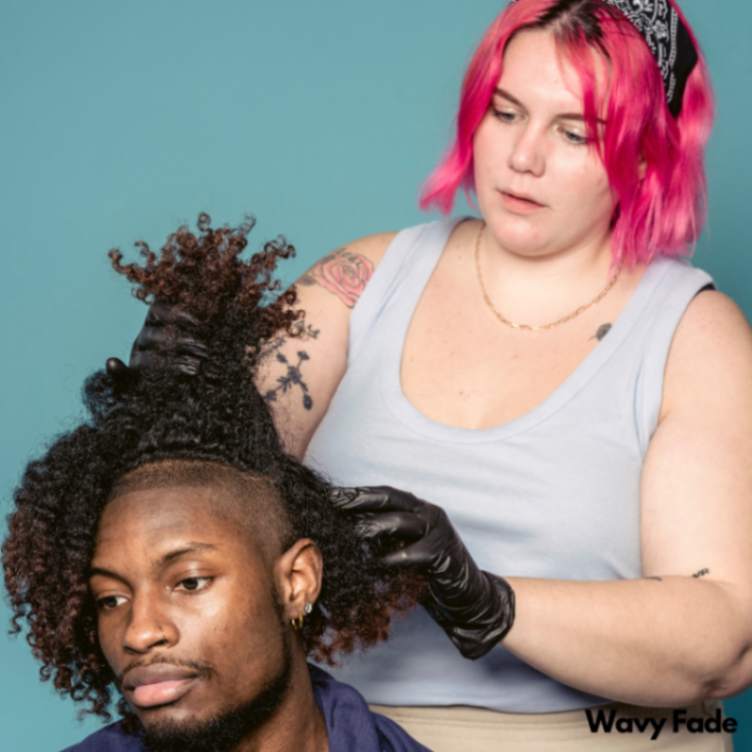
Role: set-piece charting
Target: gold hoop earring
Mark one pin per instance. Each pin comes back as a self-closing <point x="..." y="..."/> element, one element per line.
<point x="297" y="621"/>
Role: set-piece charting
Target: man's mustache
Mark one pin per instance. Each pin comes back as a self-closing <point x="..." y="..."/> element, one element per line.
<point x="202" y="670"/>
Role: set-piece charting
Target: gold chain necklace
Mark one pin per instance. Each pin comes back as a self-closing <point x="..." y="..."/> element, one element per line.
<point x="529" y="327"/>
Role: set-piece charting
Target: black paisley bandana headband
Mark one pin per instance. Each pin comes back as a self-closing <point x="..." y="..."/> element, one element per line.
<point x="668" y="40"/>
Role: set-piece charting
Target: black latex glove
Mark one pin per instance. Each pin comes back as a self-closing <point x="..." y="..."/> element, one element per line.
<point x="474" y="608"/>
<point x="169" y="338"/>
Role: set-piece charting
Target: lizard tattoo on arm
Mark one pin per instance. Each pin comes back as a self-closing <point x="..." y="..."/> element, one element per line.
<point x="292" y="378"/>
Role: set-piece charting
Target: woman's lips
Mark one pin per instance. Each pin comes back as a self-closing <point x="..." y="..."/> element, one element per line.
<point x="161" y="693"/>
<point x="518" y="204"/>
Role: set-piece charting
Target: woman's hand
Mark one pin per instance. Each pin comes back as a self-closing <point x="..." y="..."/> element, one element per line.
<point x="168" y="339"/>
<point x="474" y="608"/>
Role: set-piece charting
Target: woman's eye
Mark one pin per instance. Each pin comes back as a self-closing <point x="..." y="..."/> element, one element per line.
<point x="575" y="138"/>
<point x="506" y="116"/>
<point x="108" y="602"/>
<point x="193" y="584"/>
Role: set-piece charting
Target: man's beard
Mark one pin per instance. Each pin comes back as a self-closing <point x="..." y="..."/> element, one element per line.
<point x="224" y="732"/>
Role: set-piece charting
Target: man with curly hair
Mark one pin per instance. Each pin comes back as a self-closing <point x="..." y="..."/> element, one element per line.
<point x="168" y="549"/>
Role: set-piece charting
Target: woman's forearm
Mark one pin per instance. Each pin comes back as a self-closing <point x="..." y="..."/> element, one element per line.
<point x="646" y="642"/>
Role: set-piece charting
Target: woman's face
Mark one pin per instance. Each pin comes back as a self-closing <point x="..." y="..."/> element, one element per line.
<point x="533" y="143"/>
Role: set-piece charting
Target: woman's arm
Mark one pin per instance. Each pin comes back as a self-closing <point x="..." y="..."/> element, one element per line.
<point x="685" y="631"/>
<point x="299" y="376"/>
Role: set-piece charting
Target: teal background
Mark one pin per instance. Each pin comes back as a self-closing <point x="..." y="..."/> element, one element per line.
<point x="121" y="120"/>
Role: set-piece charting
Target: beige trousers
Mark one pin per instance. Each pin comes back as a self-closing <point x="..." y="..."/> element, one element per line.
<point x="466" y="729"/>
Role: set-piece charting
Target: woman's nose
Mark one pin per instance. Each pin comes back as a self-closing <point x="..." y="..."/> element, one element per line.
<point x="527" y="153"/>
<point x="149" y="626"/>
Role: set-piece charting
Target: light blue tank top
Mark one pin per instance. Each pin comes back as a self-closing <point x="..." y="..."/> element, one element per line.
<point x="552" y="494"/>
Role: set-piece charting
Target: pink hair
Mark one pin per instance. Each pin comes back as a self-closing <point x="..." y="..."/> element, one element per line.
<point x="661" y="213"/>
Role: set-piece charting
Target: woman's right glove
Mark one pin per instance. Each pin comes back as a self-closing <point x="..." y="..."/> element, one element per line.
<point x="474" y="608"/>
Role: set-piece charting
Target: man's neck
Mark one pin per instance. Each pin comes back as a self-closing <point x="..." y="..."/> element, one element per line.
<point x="297" y="725"/>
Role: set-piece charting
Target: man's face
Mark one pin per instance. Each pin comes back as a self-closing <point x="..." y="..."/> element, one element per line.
<point x="188" y="616"/>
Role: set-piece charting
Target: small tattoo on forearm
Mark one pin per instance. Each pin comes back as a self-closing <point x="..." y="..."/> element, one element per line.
<point x="603" y="330"/>
<point x="701" y="573"/>
<point x="343" y="273"/>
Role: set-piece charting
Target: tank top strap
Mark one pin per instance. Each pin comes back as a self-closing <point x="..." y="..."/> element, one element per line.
<point x="681" y="283"/>
<point x="405" y="268"/>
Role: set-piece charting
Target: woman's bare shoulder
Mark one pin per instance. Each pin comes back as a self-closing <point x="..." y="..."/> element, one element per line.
<point x="712" y="342"/>
<point x="373" y="246"/>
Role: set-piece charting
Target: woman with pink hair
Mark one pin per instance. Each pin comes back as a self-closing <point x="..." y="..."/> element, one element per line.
<point x="559" y="403"/>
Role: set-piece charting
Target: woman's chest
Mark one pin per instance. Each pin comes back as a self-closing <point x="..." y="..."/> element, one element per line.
<point x="464" y="368"/>
<point x="461" y="366"/>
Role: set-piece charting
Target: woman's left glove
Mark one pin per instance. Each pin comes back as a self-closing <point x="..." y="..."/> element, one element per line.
<point x="168" y="339"/>
<point x="475" y="608"/>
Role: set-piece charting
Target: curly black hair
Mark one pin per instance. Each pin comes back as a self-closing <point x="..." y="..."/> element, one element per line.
<point x="216" y="417"/>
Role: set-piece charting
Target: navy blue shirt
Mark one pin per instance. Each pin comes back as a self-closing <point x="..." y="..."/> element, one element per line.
<point x="350" y="725"/>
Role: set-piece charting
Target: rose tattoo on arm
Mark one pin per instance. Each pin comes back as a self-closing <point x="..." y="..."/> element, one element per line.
<point x="343" y="273"/>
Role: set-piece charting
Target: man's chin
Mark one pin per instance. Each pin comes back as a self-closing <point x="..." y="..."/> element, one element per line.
<point x="175" y="716"/>
<point x="182" y="732"/>
<point x="189" y="736"/>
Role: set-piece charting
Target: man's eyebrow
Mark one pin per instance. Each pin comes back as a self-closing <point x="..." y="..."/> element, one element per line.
<point x="103" y="572"/>
<point x="187" y="548"/>
<point x="561" y="116"/>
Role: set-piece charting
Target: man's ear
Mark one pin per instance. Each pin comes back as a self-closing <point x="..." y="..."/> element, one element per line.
<point x="297" y="575"/>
